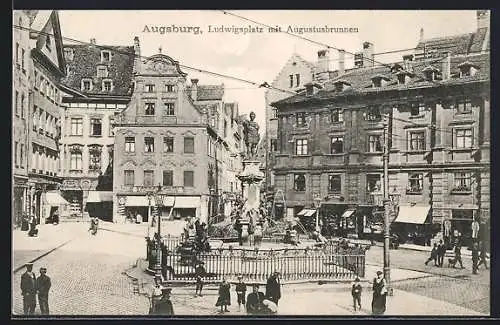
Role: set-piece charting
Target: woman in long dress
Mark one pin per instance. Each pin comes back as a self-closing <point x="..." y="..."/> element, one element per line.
<point x="224" y="298"/>
<point x="379" y="295"/>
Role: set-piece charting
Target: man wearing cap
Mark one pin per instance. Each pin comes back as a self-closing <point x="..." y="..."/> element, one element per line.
<point x="241" y="290"/>
<point x="273" y="288"/>
<point x="28" y="290"/>
<point x="43" y="286"/>
<point x="199" y="273"/>
<point x="164" y="305"/>
<point x="255" y="300"/>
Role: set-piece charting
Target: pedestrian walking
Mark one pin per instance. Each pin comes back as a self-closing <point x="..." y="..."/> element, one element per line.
<point x="200" y="273"/>
<point x="241" y="290"/>
<point x="458" y="256"/>
<point x="379" y="295"/>
<point x="255" y="300"/>
<point x="475" y="257"/>
<point x="28" y="290"/>
<point x="273" y="288"/>
<point x="164" y="306"/>
<point x="224" y="298"/>
<point x="441" y="252"/>
<point x="356" y="293"/>
<point x="434" y="255"/>
<point x="43" y="285"/>
<point x="482" y="255"/>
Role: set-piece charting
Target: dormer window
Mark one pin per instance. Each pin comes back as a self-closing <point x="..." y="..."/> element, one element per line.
<point x="86" y="84"/>
<point x="404" y="77"/>
<point x="107" y="85"/>
<point x="379" y="81"/>
<point x="105" y="56"/>
<point x="102" y="71"/>
<point x="341" y="85"/>
<point x="430" y="73"/>
<point x="69" y="53"/>
<point x="467" y="69"/>
<point x="396" y="67"/>
<point x="309" y="89"/>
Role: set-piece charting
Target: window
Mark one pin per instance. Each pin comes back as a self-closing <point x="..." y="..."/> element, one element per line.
<point x="464" y="138"/>
<point x="77" y="126"/>
<point x="301" y="147"/>
<point x="188" y="145"/>
<point x="417" y="141"/>
<point x="274" y="112"/>
<point x="105" y="56"/>
<point x="168" y="178"/>
<point x="150" y="88"/>
<point x="86" y="85"/>
<point x="373" y="114"/>
<point x="17" y="55"/>
<point x="299" y="182"/>
<point x="462" y="182"/>
<point x="415" y="183"/>
<point x="16" y="162"/>
<point x="129" y="144"/>
<point x="95" y="159"/>
<point x="22" y="106"/>
<point x="301" y="119"/>
<point x="168" y="143"/>
<point x="150" y="109"/>
<point x="21" y="155"/>
<point x="16" y="103"/>
<point x="102" y="71"/>
<point x="417" y="108"/>
<point x="170" y="109"/>
<point x="107" y="85"/>
<point x="95" y="127"/>
<point x="373" y="183"/>
<point x="169" y="88"/>
<point x="291" y="80"/>
<point x="41" y="120"/>
<point x="48" y="43"/>
<point x="336" y="145"/>
<point x="188" y="178"/>
<point x="149" y="144"/>
<point x="374" y="143"/>
<point x="336" y="115"/>
<point x="334" y="184"/>
<point x="35" y="118"/>
<point x="128" y="178"/>
<point x="76" y="161"/>
<point x="22" y="60"/>
<point x="297" y="80"/>
<point x="401" y="78"/>
<point x="225" y="128"/>
<point x="148" y="178"/>
<point x="111" y="128"/>
<point x="464" y="106"/>
<point x="274" y="145"/>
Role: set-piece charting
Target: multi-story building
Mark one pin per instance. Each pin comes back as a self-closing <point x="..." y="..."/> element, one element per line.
<point x="330" y="143"/>
<point x="168" y="138"/>
<point x="21" y="94"/>
<point x="98" y="82"/>
<point x="45" y="111"/>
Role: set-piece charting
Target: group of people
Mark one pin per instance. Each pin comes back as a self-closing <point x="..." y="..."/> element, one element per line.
<point x="479" y="256"/>
<point x="380" y="292"/>
<point x="256" y="303"/>
<point x="31" y="286"/>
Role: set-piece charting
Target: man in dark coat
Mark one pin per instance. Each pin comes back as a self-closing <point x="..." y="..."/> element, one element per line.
<point x="273" y="288"/>
<point x="475" y="258"/>
<point x="482" y="256"/>
<point x="28" y="290"/>
<point x="458" y="256"/>
<point x="254" y="301"/>
<point x="441" y="252"/>
<point x="200" y="273"/>
<point x="164" y="305"/>
<point x="43" y="286"/>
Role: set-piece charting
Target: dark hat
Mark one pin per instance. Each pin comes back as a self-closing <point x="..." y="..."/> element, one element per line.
<point x="379" y="272"/>
<point x="357" y="279"/>
<point x="43" y="269"/>
<point x="166" y="290"/>
<point x="255" y="285"/>
<point x="28" y="264"/>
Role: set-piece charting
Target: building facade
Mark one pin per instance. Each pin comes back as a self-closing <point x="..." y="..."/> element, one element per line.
<point x="437" y="113"/>
<point x="97" y="84"/>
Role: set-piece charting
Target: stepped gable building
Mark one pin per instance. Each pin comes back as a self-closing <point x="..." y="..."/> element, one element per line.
<point x="98" y="83"/>
<point x="330" y="146"/>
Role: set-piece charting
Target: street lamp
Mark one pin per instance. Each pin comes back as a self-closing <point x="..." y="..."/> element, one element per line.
<point x="317" y="204"/>
<point x="159" y="204"/>
<point x="149" y="196"/>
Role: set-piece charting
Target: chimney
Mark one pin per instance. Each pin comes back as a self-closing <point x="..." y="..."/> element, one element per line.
<point x="92" y="41"/>
<point x="194" y="89"/>
<point x="407" y="59"/>
<point x="421" y="35"/>
<point x="368" y="54"/>
<point x="309" y="89"/>
<point x="323" y="61"/>
<point x="358" y="60"/>
<point x="446" y="66"/>
<point x="341" y="62"/>
<point x="483" y="18"/>
<point x="137" y="47"/>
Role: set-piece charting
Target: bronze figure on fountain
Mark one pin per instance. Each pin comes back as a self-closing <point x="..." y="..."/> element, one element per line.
<point x="251" y="136"/>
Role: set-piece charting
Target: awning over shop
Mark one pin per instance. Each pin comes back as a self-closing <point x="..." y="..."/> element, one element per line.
<point x="348" y="213"/>
<point x="55" y="199"/>
<point x="142" y="201"/>
<point x="100" y="196"/>
<point x="306" y="212"/>
<point x="413" y="214"/>
<point x="186" y="202"/>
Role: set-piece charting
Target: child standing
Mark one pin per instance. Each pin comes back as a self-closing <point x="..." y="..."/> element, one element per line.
<point x="224" y="298"/>
<point x="356" y="293"/>
<point x="241" y="289"/>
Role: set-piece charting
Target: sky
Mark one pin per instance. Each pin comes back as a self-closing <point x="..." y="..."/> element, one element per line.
<point x="259" y="57"/>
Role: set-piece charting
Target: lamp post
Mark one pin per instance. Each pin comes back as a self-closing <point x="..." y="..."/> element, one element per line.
<point x="317" y="204"/>
<point x="211" y="212"/>
<point x="159" y="204"/>
<point x="149" y="196"/>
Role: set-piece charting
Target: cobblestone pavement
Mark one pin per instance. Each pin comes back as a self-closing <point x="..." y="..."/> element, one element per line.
<point x="87" y="277"/>
<point x="455" y="285"/>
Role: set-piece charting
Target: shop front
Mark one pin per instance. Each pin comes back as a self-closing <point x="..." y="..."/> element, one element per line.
<point x="100" y="204"/>
<point x="412" y="225"/>
<point x="339" y="220"/>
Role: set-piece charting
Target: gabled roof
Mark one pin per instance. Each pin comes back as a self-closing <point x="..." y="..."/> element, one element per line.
<point x="361" y="79"/>
<point x="84" y="64"/>
<point x="457" y="44"/>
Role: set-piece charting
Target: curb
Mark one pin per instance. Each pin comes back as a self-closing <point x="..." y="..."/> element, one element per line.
<point x="17" y="269"/>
